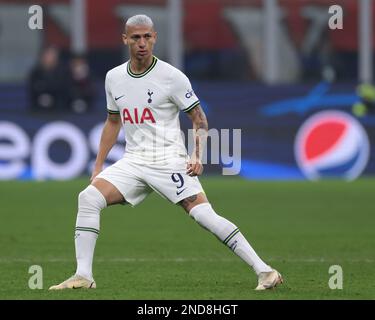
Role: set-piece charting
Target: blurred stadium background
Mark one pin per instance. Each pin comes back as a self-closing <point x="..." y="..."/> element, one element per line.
<point x="262" y="66"/>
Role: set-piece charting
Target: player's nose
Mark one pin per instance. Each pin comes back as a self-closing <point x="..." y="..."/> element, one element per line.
<point x="142" y="43"/>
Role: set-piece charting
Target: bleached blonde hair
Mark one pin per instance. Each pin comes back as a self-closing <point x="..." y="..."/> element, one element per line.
<point x="139" y="20"/>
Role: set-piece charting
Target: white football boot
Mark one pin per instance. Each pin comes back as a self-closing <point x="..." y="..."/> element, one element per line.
<point x="75" y="282"/>
<point x="269" y="280"/>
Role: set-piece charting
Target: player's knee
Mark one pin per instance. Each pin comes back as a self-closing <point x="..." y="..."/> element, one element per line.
<point x="91" y="197"/>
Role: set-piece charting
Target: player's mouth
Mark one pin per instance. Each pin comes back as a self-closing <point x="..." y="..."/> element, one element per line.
<point x="142" y="52"/>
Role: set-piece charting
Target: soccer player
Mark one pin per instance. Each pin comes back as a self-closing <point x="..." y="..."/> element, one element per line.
<point x="145" y="95"/>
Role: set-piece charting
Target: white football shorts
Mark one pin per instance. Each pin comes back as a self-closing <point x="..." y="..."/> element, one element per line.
<point x="136" y="181"/>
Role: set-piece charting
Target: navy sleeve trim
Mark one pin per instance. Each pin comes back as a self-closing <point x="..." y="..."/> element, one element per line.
<point x="191" y="107"/>
<point x="113" y="112"/>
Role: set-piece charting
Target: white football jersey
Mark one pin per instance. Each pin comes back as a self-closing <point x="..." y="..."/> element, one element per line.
<point x="149" y="104"/>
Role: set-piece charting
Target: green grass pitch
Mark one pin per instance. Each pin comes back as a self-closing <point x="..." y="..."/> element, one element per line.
<point x="155" y="251"/>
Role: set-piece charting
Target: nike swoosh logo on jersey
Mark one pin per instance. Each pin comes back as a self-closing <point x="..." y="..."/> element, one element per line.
<point x="179" y="192"/>
<point x="116" y="98"/>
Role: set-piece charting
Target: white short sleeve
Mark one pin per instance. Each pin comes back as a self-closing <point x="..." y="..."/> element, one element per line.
<point x="182" y="93"/>
<point x="111" y="105"/>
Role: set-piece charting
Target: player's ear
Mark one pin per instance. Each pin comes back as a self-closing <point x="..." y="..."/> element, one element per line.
<point x="155" y="36"/>
<point x="125" y="39"/>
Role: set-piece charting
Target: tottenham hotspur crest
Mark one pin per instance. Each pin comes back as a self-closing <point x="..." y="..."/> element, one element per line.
<point x="149" y="94"/>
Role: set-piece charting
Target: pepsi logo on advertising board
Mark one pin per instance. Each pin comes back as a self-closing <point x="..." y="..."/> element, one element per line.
<point x="332" y="144"/>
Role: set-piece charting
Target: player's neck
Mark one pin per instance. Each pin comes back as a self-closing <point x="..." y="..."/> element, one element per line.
<point x="140" y="66"/>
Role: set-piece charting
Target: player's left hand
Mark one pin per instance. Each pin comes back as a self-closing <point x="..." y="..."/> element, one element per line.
<point x="194" y="168"/>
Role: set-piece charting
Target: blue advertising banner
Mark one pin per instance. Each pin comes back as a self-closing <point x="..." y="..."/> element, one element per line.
<point x="272" y="117"/>
<point x="284" y="132"/>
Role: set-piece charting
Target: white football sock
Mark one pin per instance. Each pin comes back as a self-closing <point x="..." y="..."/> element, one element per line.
<point x="90" y="203"/>
<point x="229" y="234"/>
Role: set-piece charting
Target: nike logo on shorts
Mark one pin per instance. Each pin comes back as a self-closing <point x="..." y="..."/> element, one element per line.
<point x="179" y="192"/>
<point x="116" y="98"/>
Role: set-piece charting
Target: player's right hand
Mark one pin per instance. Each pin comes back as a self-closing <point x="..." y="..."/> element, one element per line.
<point x="194" y="167"/>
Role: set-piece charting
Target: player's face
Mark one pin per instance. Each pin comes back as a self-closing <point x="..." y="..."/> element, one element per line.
<point x="141" y="40"/>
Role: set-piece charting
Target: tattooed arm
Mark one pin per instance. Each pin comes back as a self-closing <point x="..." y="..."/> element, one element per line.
<point x="200" y="126"/>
